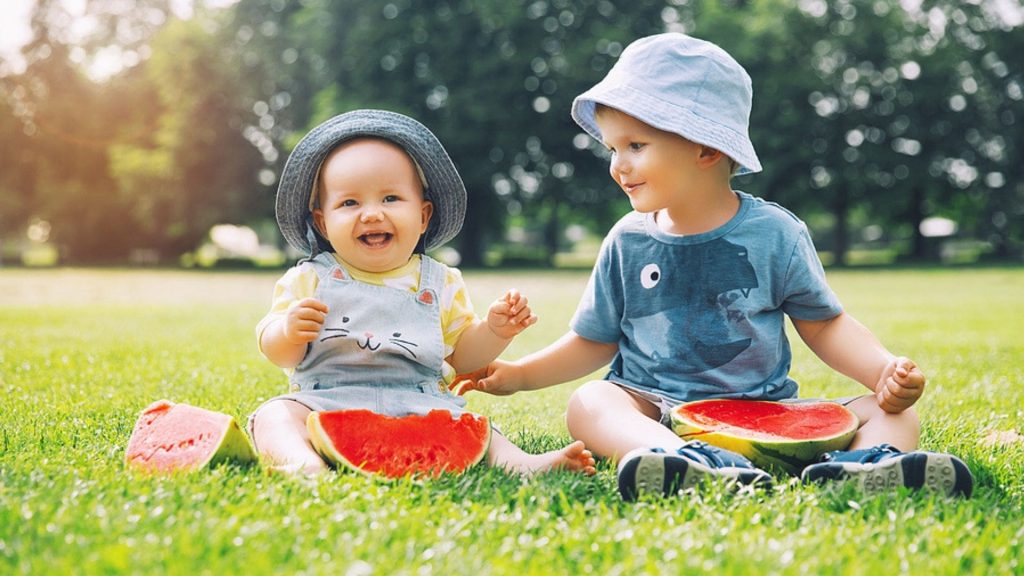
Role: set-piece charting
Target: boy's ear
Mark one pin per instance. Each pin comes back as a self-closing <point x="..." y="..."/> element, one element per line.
<point x="428" y="211"/>
<point x="709" y="156"/>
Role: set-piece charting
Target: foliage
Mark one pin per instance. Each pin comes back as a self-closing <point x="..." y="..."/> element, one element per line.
<point x="83" y="352"/>
<point x="193" y="168"/>
<point x="867" y="113"/>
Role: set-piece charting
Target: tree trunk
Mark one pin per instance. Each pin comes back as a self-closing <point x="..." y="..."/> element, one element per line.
<point x="840" y="241"/>
<point x="552" y="229"/>
<point x="919" y="247"/>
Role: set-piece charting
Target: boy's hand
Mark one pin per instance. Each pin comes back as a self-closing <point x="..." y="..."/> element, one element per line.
<point x="304" y="320"/>
<point x="510" y="315"/>
<point x="900" y="385"/>
<point x="499" y="378"/>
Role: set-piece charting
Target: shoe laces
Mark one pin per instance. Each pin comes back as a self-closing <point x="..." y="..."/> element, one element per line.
<point x="866" y="456"/>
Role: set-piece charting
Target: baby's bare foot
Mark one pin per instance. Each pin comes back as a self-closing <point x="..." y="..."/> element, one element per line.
<point x="575" y="458"/>
<point x="309" y="469"/>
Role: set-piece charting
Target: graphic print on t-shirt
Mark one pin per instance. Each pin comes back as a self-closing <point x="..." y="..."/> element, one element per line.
<point x="681" y="313"/>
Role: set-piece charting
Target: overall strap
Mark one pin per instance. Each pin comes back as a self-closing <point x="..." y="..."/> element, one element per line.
<point x="433" y="275"/>
<point x="325" y="264"/>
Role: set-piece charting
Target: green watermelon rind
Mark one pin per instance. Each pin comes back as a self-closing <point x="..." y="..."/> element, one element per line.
<point x="234" y="446"/>
<point x="786" y="456"/>
<point x="319" y="438"/>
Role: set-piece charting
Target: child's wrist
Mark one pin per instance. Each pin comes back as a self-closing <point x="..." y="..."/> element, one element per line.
<point x="498" y="335"/>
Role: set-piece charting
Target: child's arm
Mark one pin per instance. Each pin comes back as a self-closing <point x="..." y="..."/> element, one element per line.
<point x="569" y="358"/>
<point x="850" y="348"/>
<point x="482" y="342"/>
<point x="284" y="340"/>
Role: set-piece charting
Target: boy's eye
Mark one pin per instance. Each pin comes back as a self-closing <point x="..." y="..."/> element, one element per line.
<point x="636" y="146"/>
<point x="349" y="202"/>
<point x="391" y="198"/>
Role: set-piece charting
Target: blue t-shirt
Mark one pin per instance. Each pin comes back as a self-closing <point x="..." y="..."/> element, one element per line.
<point x="702" y="316"/>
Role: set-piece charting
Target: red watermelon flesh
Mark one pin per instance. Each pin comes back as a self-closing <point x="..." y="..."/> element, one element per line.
<point x="784" y="436"/>
<point x="171" y="437"/>
<point x="394" y="447"/>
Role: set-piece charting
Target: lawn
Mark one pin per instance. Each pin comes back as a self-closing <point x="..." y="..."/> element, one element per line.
<point x="83" y="352"/>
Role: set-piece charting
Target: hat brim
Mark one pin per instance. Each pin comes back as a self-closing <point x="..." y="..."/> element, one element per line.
<point x="445" y="189"/>
<point x="664" y="116"/>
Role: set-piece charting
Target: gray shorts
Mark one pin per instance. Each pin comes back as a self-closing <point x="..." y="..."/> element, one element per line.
<point x="665" y="404"/>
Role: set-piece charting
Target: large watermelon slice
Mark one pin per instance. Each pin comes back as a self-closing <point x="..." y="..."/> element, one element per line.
<point x="773" y="435"/>
<point x="393" y="447"/>
<point x="171" y="437"/>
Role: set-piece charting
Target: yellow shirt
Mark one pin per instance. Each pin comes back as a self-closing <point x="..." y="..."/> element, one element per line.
<point x="456" y="309"/>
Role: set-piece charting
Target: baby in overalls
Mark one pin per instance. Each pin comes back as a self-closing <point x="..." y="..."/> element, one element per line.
<point x="368" y="320"/>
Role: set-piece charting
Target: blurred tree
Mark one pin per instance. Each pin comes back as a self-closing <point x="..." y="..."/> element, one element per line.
<point x="65" y="123"/>
<point x="879" y="112"/>
<point x="494" y="81"/>
<point x="16" y="170"/>
<point x="191" y="167"/>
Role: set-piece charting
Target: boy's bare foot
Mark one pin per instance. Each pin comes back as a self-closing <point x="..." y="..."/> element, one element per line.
<point x="575" y="458"/>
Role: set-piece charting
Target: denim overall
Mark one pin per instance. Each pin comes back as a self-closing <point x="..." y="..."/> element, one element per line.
<point x="381" y="348"/>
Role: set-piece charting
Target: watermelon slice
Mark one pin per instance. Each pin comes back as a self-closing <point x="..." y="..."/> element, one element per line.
<point x="171" y="437"/>
<point x="393" y="447"/>
<point x="782" y="436"/>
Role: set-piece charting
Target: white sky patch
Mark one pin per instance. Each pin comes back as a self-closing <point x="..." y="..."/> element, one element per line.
<point x="16" y="31"/>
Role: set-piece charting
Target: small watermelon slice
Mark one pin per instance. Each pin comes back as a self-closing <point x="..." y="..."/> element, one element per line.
<point x="773" y="435"/>
<point x="394" y="447"/>
<point x="171" y="437"/>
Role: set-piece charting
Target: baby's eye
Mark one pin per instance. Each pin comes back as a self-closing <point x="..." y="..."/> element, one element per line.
<point x="636" y="146"/>
<point x="650" y="276"/>
<point x="391" y="198"/>
<point x="349" y="203"/>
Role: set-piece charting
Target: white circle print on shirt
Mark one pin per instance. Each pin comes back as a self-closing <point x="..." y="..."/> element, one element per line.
<point x="650" y="275"/>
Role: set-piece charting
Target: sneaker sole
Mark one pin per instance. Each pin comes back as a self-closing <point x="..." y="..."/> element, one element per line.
<point x="669" y="474"/>
<point x="939" y="473"/>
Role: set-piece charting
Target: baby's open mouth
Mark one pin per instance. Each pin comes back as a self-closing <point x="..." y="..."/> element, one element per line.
<point x="376" y="239"/>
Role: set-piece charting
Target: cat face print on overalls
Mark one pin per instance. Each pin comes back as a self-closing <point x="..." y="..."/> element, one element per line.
<point x="375" y="335"/>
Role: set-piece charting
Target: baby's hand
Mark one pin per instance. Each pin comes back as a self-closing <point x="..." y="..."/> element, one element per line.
<point x="304" y="320"/>
<point x="900" y="385"/>
<point x="510" y="315"/>
<point x="499" y="378"/>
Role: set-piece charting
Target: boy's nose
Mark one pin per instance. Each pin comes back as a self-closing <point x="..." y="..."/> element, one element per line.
<point x="619" y="165"/>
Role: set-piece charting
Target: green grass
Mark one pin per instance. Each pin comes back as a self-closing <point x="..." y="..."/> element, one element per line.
<point x="82" y="352"/>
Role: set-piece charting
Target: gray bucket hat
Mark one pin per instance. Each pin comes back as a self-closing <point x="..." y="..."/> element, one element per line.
<point x="444" y="187"/>
<point x="680" y="84"/>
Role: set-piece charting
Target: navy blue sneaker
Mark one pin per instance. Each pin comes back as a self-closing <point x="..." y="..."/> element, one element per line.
<point x="656" y="471"/>
<point x="884" y="468"/>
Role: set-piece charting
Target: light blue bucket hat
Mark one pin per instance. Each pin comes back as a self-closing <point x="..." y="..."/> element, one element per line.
<point x="679" y="84"/>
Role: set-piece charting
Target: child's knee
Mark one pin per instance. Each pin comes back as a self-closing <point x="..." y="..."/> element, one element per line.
<point x="869" y="411"/>
<point x="588" y="395"/>
<point x="590" y="402"/>
<point x="277" y="415"/>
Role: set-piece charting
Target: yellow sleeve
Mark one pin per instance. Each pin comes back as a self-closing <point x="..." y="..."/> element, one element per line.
<point x="297" y="283"/>
<point x="456" y="310"/>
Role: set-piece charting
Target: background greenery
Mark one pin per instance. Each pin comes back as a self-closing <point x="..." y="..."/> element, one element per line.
<point x="132" y="127"/>
<point x="83" y="352"/>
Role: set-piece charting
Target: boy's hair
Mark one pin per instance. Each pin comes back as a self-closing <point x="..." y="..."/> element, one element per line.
<point x="734" y="166"/>
<point x="682" y="85"/>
